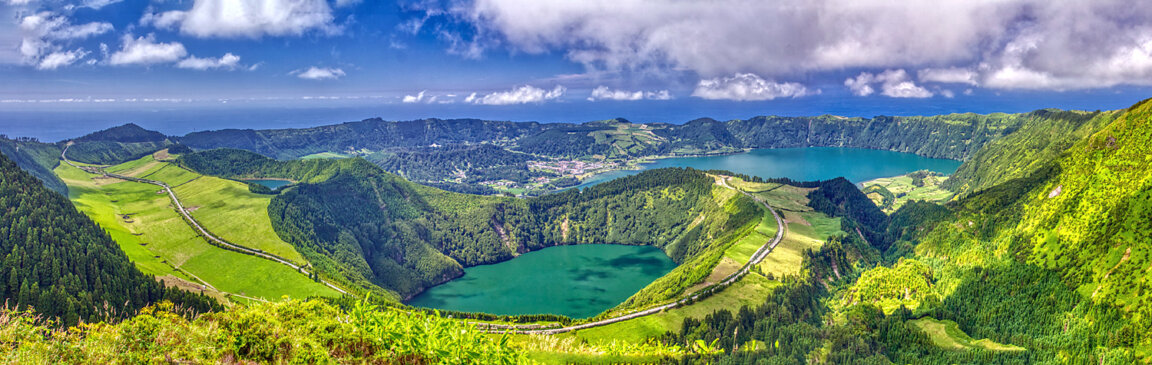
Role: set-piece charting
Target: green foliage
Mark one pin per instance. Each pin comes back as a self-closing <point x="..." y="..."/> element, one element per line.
<point x="1041" y="137"/>
<point x="36" y="158"/>
<point x="906" y="284"/>
<point x="58" y="261"/>
<point x="289" y="332"/>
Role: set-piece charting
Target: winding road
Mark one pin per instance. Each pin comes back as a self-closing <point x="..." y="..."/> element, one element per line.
<point x="192" y="222"/>
<point x="755" y="259"/>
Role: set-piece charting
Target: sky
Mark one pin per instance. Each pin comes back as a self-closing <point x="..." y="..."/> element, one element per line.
<point x="648" y="61"/>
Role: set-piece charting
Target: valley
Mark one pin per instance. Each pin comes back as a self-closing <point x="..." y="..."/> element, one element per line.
<point x="683" y="258"/>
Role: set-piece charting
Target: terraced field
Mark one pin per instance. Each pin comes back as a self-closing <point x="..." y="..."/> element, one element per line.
<point x="143" y="222"/>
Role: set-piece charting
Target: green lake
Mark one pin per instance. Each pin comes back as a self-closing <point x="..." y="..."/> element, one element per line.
<point x="582" y="281"/>
<point x="271" y="184"/>
<point x="577" y="281"/>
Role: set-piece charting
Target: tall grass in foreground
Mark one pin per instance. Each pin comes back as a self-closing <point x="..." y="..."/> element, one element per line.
<point x="288" y="332"/>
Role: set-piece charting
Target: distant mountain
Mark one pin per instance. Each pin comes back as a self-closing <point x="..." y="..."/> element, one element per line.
<point x="127" y="133"/>
<point x="115" y="145"/>
<point x="954" y="136"/>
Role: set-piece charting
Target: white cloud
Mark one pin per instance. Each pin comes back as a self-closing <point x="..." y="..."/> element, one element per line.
<point x="227" y="61"/>
<point x="952" y="75"/>
<point x="1006" y="44"/>
<point x="97" y="4"/>
<point x="248" y="18"/>
<point x="146" y="51"/>
<point x="317" y="73"/>
<point x="56" y="60"/>
<point x="165" y="20"/>
<point x="520" y="95"/>
<point x="45" y="35"/>
<point x="414" y="98"/>
<point x="746" y="86"/>
<point x="893" y="83"/>
<point x="604" y="93"/>
<point x="861" y="85"/>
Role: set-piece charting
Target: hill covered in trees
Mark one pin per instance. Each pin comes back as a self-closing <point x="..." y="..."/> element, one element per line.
<point x="370" y="227"/>
<point x="59" y="262"/>
<point x="1045" y="264"/>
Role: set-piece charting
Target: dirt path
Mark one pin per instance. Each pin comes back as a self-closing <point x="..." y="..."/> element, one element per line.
<point x="196" y="225"/>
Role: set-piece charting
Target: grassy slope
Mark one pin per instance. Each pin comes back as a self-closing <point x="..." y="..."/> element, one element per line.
<point x="1081" y="221"/>
<point x="170" y="242"/>
<point x="947" y="334"/>
<point x="1043" y="137"/>
<point x="225" y="207"/>
<point x="749" y="291"/>
<point x="806" y="230"/>
<point x="904" y="191"/>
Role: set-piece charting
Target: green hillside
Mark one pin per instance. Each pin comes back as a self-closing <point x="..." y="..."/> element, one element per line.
<point x="160" y="242"/>
<point x="372" y="228"/>
<point x="58" y="261"/>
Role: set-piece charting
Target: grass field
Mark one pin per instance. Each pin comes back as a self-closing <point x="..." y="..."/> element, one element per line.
<point x="230" y="211"/>
<point x="905" y="191"/>
<point x="225" y="207"/>
<point x="807" y="229"/>
<point x="324" y="155"/>
<point x="140" y="218"/>
<point x="947" y="334"/>
<point x="751" y="290"/>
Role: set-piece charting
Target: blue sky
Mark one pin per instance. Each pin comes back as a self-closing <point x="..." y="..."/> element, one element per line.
<point x="657" y="60"/>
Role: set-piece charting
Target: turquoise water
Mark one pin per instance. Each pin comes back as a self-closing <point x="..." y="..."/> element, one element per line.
<point x="271" y="184"/>
<point x="577" y="281"/>
<point x="582" y="281"/>
<point x="804" y="164"/>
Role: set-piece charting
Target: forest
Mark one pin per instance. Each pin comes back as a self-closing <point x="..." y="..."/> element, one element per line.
<point x="56" y="260"/>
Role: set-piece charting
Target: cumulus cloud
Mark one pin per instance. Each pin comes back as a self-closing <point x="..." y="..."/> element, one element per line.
<point x="227" y="61"/>
<point x="97" y="4"/>
<point x="165" y="20"/>
<point x="318" y="73"/>
<point x="520" y="95"/>
<point x="746" y="86"/>
<point x="59" y="59"/>
<point x="952" y="75"/>
<point x="604" y="93"/>
<point x="44" y="36"/>
<point x="146" y="51"/>
<point x="248" y="18"/>
<point x="1007" y="44"/>
<point x="893" y="83"/>
<point x="414" y="98"/>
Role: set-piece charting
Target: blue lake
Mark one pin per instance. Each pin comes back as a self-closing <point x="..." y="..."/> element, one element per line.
<point x="803" y="164"/>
